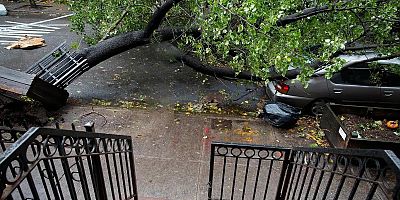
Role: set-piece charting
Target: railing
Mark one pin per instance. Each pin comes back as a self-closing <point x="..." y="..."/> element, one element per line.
<point x="62" y="164"/>
<point x="343" y="174"/>
<point x="239" y="171"/>
<point x="8" y="136"/>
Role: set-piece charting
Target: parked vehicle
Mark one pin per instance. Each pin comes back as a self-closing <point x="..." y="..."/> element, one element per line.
<point x="359" y="84"/>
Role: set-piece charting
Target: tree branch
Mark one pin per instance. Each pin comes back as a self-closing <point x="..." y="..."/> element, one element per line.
<point x="220" y="72"/>
<point x="115" y="24"/>
<point x="158" y="17"/>
<point x="308" y="12"/>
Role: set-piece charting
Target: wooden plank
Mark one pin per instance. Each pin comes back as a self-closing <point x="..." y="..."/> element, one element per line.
<point x="14" y="83"/>
<point x="16" y="76"/>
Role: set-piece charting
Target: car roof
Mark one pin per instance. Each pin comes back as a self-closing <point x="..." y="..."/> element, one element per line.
<point x="368" y="55"/>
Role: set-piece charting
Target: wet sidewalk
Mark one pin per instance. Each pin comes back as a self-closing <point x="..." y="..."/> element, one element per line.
<point x="172" y="149"/>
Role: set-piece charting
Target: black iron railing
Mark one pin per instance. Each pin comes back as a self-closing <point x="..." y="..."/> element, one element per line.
<point x="62" y="164"/>
<point x="239" y="171"/>
<point x="8" y="136"/>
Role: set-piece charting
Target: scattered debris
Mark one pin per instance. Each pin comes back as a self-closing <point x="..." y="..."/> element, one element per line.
<point x="246" y="130"/>
<point x="3" y="10"/>
<point x="368" y="128"/>
<point x="101" y="102"/>
<point x="27" y="43"/>
<point x="307" y="129"/>
<point x="25" y="113"/>
<point x="211" y="108"/>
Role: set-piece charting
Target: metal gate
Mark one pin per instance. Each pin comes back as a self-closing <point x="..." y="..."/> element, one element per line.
<point x="240" y="171"/>
<point x="45" y="163"/>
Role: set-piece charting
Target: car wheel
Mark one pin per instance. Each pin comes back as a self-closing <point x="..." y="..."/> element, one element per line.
<point x="317" y="107"/>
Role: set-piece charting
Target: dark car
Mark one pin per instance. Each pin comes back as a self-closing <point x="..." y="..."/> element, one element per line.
<point x="359" y="84"/>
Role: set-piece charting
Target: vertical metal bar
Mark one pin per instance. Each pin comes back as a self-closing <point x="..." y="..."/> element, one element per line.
<point x="287" y="167"/>
<point x="292" y="177"/>
<point x="340" y="185"/>
<point x="32" y="186"/>
<point x="211" y="172"/>
<point x="303" y="182"/>
<point x="311" y="178"/>
<point x="46" y="189"/>
<point x="245" y="178"/>
<point x="41" y="174"/>
<point x="133" y="172"/>
<point x="268" y="179"/>
<point x="356" y="183"/>
<point x="91" y="171"/>
<point x="99" y="184"/>
<point x="302" y="157"/>
<point x="66" y="169"/>
<point x="234" y="178"/>
<point x="328" y="185"/>
<point x="82" y="177"/>
<point x="122" y="171"/>
<point x="372" y="191"/>
<point x="109" y="174"/>
<point x="257" y="176"/>
<point x="128" y="171"/>
<point x="321" y="175"/>
<point x="54" y="172"/>
<point x="223" y="178"/>
<point x="50" y="176"/>
<point x="116" y="175"/>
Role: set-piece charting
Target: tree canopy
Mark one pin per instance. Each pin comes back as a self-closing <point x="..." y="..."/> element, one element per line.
<point x="251" y="36"/>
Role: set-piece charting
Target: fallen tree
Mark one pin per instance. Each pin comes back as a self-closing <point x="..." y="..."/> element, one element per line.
<point x="242" y="40"/>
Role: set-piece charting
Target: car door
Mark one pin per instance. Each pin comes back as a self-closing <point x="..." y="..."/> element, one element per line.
<point x="390" y="89"/>
<point x="354" y="86"/>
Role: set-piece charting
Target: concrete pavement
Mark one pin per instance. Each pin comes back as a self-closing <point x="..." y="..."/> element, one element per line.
<point x="172" y="149"/>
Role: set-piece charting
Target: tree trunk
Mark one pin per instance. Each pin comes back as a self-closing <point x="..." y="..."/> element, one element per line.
<point x="113" y="46"/>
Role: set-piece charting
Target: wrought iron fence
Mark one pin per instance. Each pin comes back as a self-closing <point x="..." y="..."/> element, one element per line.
<point x="239" y="171"/>
<point x="8" y="135"/>
<point x="62" y="164"/>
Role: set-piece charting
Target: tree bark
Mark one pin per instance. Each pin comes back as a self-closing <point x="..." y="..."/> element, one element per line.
<point x="221" y="72"/>
<point x="159" y="16"/>
<point x="118" y="44"/>
<point x="113" y="46"/>
<point x="308" y="12"/>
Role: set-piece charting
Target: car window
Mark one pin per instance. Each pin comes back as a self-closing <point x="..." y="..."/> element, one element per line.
<point x="353" y="76"/>
<point x="391" y="80"/>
